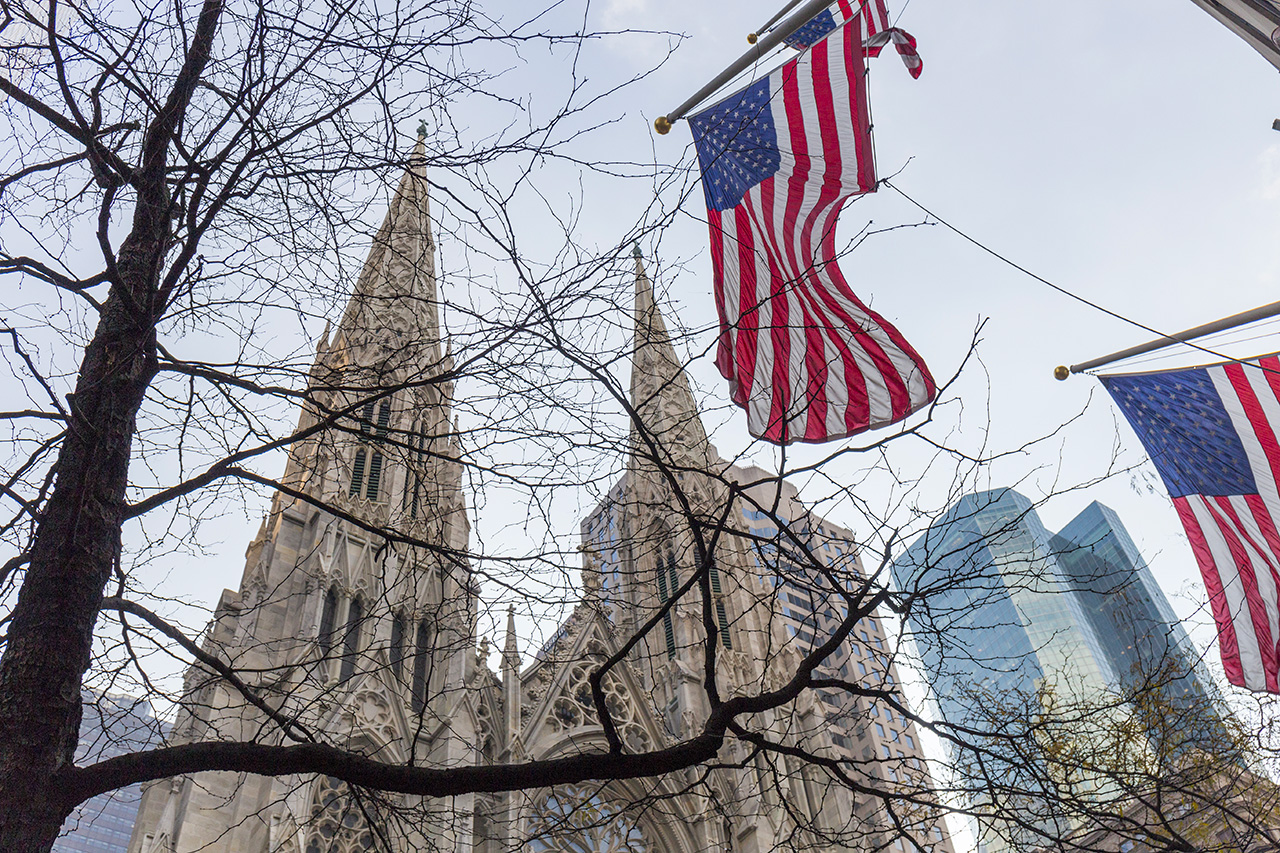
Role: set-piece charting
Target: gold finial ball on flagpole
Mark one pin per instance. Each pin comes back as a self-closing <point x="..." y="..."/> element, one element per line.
<point x="1061" y="372"/>
<point x="662" y="124"/>
<point x="752" y="38"/>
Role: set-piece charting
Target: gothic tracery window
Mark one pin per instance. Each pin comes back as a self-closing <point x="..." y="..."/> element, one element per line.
<point x="368" y="458"/>
<point x="351" y="641"/>
<point x="337" y="823"/>
<point x="415" y="482"/>
<point x="577" y="819"/>
<point x="421" y="667"/>
<point x="575" y="707"/>
<point x="722" y="615"/>
<point x="327" y="617"/>
<point x="668" y="584"/>
<point x="397" y="645"/>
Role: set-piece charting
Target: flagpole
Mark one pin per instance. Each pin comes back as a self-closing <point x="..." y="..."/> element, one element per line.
<point x="753" y="37"/>
<point x="662" y="124"/>
<point x="1261" y="313"/>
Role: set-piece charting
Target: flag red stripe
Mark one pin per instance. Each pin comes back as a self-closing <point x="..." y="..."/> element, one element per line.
<point x="803" y="355"/>
<point x="1257" y="418"/>
<point x="1228" y="645"/>
<point x="1246" y="568"/>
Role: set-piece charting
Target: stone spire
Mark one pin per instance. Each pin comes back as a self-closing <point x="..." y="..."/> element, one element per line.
<point x="511" y="678"/>
<point x="378" y="362"/>
<point x="660" y="390"/>
<point x="394" y="312"/>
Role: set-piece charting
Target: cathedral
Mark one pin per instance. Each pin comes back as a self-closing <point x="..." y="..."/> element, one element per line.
<point x="355" y="625"/>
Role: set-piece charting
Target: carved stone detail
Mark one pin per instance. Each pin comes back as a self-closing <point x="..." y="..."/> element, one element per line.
<point x="578" y="819"/>
<point x="337" y="824"/>
<point x="575" y="708"/>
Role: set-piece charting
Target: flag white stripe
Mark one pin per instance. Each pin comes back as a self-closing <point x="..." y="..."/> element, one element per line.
<point x="1264" y="480"/>
<point x="1258" y="461"/>
<point x="1233" y="592"/>
<point x="731" y="290"/>
<point x="1263" y="565"/>
<point x="761" y="392"/>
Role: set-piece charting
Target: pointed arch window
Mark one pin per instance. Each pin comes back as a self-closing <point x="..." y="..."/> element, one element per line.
<point x="421" y="667"/>
<point x="366" y="467"/>
<point x="351" y="641"/>
<point x="577" y="819"/>
<point x="357" y="472"/>
<point x="668" y="583"/>
<point x="327" y="617"/>
<point x="337" y="823"/>
<point x="722" y="614"/>
<point x="414" y="488"/>
<point x="397" y="645"/>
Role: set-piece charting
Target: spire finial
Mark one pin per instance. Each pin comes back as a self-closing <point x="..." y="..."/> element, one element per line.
<point x="635" y="251"/>
<point x="422" y="129"/>
<point x="510" y="650"/>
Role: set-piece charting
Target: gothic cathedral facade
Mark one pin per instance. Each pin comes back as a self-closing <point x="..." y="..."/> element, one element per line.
<point x="369" y="642"/>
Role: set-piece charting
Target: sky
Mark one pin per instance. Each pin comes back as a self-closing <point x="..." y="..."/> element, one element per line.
<point x="1121" y="150"/>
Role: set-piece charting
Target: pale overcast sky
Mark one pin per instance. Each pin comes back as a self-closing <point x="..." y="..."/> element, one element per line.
<point x="1120" y="149"/>
<point x="1123" y="150"/>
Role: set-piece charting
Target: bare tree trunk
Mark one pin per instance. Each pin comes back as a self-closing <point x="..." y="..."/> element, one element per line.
<point x="78" y="542"/>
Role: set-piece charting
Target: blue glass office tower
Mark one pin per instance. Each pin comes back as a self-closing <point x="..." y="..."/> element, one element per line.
<point x="112" y="725"/>
<point x="992" y="611"/>
<point x="1010" y="618"/>
<point x="1143" y="640"/>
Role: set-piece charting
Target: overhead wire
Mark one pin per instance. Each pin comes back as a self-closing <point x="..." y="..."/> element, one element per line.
<point x="1060" y="289"/>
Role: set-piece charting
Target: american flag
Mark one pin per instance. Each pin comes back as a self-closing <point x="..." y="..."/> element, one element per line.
<point x="1212" y="434"/>
<point x="803" y="355"/>
<point x="875" y="35"/>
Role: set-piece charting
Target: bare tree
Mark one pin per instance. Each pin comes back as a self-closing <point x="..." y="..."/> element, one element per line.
<point x="191" y="183"/>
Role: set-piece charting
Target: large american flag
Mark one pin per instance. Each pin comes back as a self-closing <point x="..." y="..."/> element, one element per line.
<point x="1212" y="434"/>
<point x="803" y="355"/>
<point x="876" y="32"/>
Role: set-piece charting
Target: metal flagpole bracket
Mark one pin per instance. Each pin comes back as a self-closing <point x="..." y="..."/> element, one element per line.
<point x="662" y="124"/>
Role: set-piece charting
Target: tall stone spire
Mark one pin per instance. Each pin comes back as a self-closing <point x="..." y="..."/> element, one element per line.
<point x="660" y="391"/>
<point x="511" y="677"/>
<point x="394" y="314"/>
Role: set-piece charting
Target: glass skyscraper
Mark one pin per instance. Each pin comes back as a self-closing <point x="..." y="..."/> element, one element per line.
<point x="112" y="725"/>
<point x="1011" y="619"/>
<point x="992" y="612"/>
<point x="1141" y="637"/>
